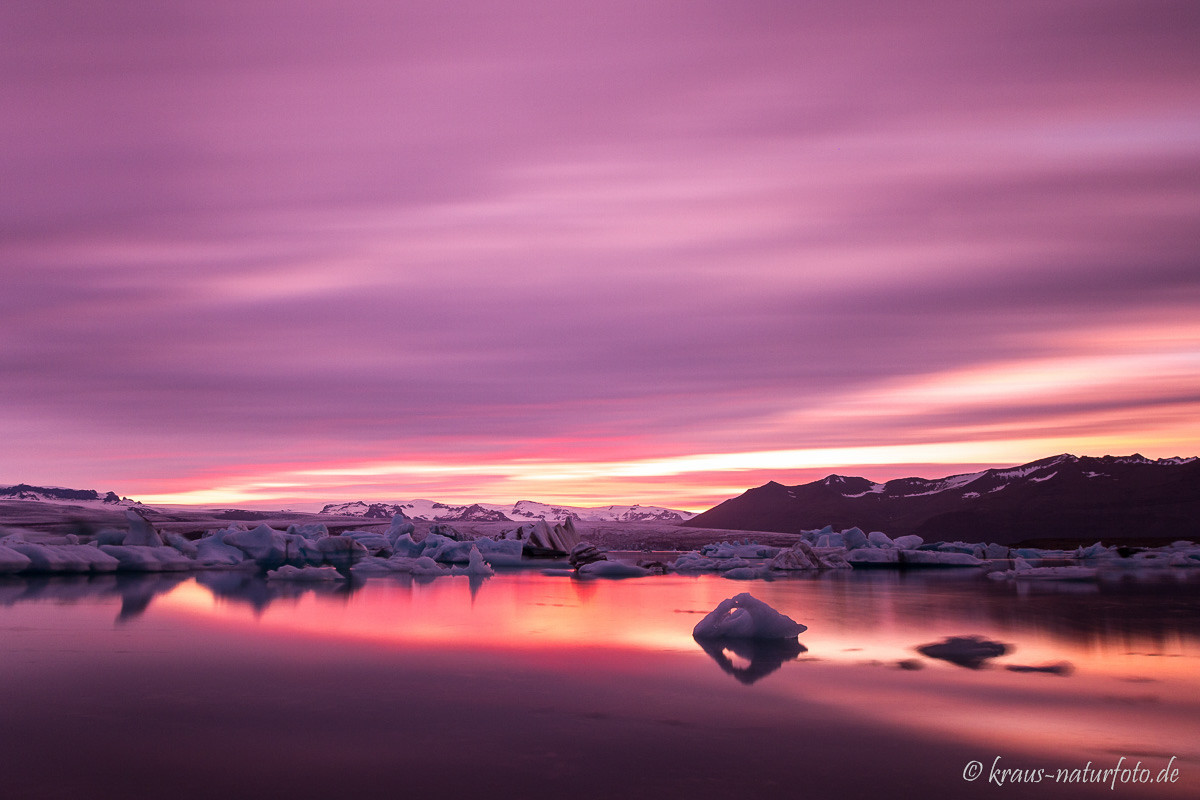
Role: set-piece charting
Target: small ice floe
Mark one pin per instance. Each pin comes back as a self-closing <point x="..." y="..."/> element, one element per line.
<point x="746" y="628"/>
<point x="1058" y="668"/>
<point x="744" y="616"/>
<point x="476" y="567"/>
<point x="965" y="651"/>
<point x="290" y="573"/>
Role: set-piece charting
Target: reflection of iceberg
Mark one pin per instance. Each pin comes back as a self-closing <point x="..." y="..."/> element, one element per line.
<point x="258" y="592"/>
<point x="135" y="590"/>
<point x="763" y="656"/>
<point x="138" y="590"/>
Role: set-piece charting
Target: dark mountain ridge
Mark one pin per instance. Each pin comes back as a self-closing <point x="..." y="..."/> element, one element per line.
<point x="1062" y="497"/>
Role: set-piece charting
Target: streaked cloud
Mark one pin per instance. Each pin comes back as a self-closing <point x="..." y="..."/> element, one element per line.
<point x="636" y="254"/>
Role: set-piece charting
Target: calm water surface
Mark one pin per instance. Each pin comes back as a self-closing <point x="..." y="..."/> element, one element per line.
<point x="523" y="685"/>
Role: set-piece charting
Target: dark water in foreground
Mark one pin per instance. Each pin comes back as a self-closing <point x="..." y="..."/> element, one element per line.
<point x="222" y="685"/>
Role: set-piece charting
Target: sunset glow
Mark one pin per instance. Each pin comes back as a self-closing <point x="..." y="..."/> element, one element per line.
<point x="640" y="255"/>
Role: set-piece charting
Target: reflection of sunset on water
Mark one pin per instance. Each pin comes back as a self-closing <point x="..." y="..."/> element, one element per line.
<point x="613" y="661"/>
<point x="1131" y="689"/>
<point x="848" y="623"/>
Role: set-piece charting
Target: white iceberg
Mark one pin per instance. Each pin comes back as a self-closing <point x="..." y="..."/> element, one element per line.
<point x="744" y="616"/>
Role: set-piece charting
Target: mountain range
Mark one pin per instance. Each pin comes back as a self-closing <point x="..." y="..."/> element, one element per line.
<point x="521" y="511"/>
<point x="1062" y="497"/>
<point x="57" y="494"/>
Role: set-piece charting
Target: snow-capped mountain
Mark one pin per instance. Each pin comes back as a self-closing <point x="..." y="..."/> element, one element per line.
<point x="57" y="494"/>
<point x="1062" y="496"/>
<point x="521" y="511"/>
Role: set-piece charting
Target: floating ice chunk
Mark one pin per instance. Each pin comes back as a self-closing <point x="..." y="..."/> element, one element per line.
<point x="873" y="557"/>
<point x="110" y="536"/>
<point x="290" y="573"/>
<point x="799" y="556"/>
<point x="264" y="544"/>
<point x="147" y="558"/>
<point x="338" y="549"/>
<point x="420" y="566"/>
<point x="854" y="538"/>
<point x="952" y="547"/>
<point x="995" y="551"/>
<point x="309" y="530"/>
<point x="746" y="617"/>
<point x="12" y="560"/>
<point x="476" y="566"/>
<point x="401" y="526"/>
<point x="611" y="569"/>
<point x="965" y="651"/>
<point x="1096" y="550"/>
<point x="747" y="550"/>
<point x="63" y="558"/>
<point x="372" y="541"/>
<point x="182" y="544"/>
<point x="879" y="539"/>
<point x="374" y="565"/>
<point x="141" y="532"/>
<point x="445" y="550"/>
<point x="405" y="546"/>
<point x="831" y="540"/>
<point x="936" y="558"/>
<point x="1074" y="573"/>
<point x="692" y="562"/>
<point x="802" y="556"/>
<point x="211" y="551"/>
<point x="503" y="553"/>
<point x="746" y="573"/>
<point x="909" y="542"/>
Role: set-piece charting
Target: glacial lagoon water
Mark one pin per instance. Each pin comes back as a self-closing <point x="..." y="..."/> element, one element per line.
<point x="222" y="684"/>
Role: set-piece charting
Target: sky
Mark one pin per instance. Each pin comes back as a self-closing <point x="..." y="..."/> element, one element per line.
<point x="274" y="254"/>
